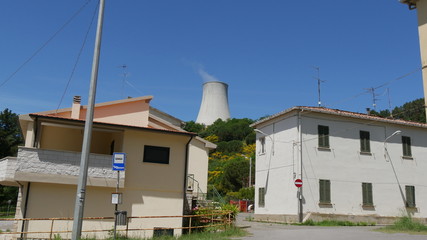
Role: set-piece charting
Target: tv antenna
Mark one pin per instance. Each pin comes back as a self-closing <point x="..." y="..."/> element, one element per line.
<point x="374" y="97"/>
<point x="319" y="81"/>
<point x="124" y="76"/>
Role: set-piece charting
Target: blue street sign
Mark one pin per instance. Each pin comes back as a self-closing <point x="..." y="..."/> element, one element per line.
<point x="119" y="160"/>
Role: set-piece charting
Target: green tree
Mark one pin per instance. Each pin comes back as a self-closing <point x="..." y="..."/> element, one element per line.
<point x="194" y="127"/>
<point x="235" y="174"/>
<point x="410" y="111"/>
<point x="10" y="138"/>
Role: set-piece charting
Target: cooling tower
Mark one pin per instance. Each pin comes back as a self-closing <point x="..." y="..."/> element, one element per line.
<point x="214" y="103"/>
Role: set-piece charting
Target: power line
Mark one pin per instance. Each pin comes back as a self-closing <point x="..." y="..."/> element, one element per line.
<point x="78" y="58"/>
<point x="45" y="44"/>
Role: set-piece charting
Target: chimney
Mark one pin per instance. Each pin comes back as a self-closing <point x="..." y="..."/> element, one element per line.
<point x="75" y="109"/>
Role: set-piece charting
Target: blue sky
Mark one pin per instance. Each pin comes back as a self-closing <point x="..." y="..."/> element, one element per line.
<point x="265" y="50"/>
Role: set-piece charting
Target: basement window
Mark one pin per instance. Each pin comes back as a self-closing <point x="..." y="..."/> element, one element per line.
<point x="155" y="154"/>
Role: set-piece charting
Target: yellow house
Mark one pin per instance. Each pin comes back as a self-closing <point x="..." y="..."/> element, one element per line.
<point x="166" y="167"/>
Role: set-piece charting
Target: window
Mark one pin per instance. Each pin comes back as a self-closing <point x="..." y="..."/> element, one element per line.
<point x="155" y="154"/>
<point x="323" y="136"/>
<point x="261" y="197"/>
<point x="410" y="196"/>
<point x="325" y="191"/>
<point x="367" y="194"/>
<point x="406" y="144"/>
<point x="159" y="232"/>
<point x="364" y="142"/>
<point x="262" y="143"/>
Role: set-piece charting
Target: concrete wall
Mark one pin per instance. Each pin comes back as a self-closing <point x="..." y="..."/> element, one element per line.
<point x="276" y="167"/>
<point x="71" y="139"/>
<point x="198" y="164"/>
<point x="343" y="165"/>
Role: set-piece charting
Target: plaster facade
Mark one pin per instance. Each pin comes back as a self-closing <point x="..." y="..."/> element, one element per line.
<point x="47" y="168"/>
<point x="291" y="151"/>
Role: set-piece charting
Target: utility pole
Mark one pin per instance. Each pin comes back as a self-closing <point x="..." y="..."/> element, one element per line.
<point x="84" y="161"/>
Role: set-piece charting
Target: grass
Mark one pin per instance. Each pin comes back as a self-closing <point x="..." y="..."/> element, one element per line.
<point x="208" y="235"/>
<point x="405" y="225"/>
<point x="332" y="223"/>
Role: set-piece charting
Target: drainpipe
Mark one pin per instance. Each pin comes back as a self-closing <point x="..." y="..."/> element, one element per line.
<point x="300" y="197"/>
<point x="187" y="149"/>
<point x="24" y="215"/>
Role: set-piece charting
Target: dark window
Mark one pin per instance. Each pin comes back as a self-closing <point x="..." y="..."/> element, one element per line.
<point x="367" y="194"/>
<point x="325" y="191"/>
<point x="159" y="232"/>
<point x="364" y="142"/>
<point x="261" y="197"/>
<point x="262" y="143"/>
<point x="155" y="154"/>
<point x="406" y="144"/>
<point x="323" y="136"/>
<point x="410" y="196"/>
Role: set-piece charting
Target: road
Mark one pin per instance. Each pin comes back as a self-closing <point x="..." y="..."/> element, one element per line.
<point x="274" y="231"/>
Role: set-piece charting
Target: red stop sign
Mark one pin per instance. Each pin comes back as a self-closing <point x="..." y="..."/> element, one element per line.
<point x="298" y="183"/>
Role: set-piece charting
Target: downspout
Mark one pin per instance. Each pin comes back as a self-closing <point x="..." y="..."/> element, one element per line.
<point x="24" y="215"/>
<point x="300" y="197"/>
<point x="187" y="150"/>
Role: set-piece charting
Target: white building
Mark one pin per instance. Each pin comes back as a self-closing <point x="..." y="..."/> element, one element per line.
<point x="353" y="166"/>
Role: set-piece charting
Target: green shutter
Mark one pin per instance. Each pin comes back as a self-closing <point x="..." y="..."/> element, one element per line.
<point x="323" y="132"/>
<point x="324" y="191"/>
<point x="410" y="196"/>
<point x="364" y="141"/>
<point x="261" y="197"/>
<point x="367" y="194"/>
<point x="406" y="145"/>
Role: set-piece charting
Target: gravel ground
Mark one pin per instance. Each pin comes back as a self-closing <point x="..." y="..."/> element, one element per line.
<point x="258" y="231"/>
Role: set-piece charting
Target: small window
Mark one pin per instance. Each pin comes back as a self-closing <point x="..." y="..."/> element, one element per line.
<point x="367" y="194"/>
<point x="410" y="196"/>
<point x="160" y="232"/>
<point x="323" y="136"/>
<point x="325" y="191"/>
<point x="155" y="154"/>
<point x="365" y="146"/>
<point x="406" y="144"/>
<point x="262" y="143"/>
<point x="261" y="197"/>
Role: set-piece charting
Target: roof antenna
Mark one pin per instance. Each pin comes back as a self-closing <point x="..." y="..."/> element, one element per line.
<point x="124" y="76"/>
<point x="389" y="102"/>
<point x="319" y="81"/>
<point x="374" y="99"/>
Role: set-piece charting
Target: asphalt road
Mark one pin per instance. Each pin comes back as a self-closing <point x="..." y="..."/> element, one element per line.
<point x="274" y="231"/>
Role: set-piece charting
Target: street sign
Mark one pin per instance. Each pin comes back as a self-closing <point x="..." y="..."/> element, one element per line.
<point x="119" y="160"/>
<point x="298" y="183"/>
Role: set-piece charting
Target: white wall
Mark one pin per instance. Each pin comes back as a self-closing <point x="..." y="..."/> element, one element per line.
<point x="343" y="165"/>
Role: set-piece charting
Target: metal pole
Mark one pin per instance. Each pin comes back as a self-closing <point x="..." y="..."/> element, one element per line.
<point x="116" y="207"/>
<point x="81" y="188"/>
<point x="300" y="212"/>
<point x="250" y="172"/>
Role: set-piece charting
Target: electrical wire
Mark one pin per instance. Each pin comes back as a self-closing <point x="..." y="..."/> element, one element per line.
<point x="78" y="58"/>
<point x="374" y="88"/>
<point x="45" y="44"/>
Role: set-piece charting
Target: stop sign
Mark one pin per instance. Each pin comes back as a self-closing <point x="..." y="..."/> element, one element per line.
<point x="298" y="183"/>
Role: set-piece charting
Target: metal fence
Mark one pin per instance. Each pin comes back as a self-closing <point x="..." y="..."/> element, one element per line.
<point x="52" y="227"/>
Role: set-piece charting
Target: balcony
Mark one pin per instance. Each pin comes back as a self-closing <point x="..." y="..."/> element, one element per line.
<point x="62" y="167"/>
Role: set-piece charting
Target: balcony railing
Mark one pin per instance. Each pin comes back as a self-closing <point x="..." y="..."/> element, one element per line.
<point x="55" y="166"/>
